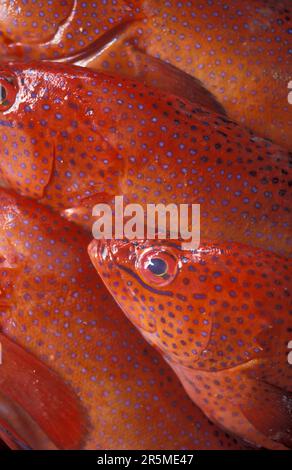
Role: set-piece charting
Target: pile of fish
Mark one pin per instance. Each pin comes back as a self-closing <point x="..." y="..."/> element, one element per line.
<point x="141" y="344"/>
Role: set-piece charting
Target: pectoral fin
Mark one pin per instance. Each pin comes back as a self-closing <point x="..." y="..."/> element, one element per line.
<point x="171" y="80"/>
<point x="269" y="410"/>
<point x="12" y="425"/>
<point x="36" y="399"/>
<point x="120" y="56"/>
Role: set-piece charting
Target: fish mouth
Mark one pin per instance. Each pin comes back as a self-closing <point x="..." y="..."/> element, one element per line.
<point x="102" y="254"/>
<point x="94" y="250"/>
<point x="104" y="250"/>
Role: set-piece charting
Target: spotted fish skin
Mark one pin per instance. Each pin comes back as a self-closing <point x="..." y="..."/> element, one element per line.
<point x="239" y="50"/>
<point x="55" y="29"/>
<point x="54" y="307"/>
<point x="221" y="317"/>
<point x="71" y="135"/>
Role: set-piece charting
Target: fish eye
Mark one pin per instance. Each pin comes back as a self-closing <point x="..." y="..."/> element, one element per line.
<point x="157" y="266"/>
<point x="3" y="94"/>
<point x="8" y="92"/>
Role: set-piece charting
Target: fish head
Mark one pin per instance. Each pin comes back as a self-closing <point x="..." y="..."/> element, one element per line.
<point x="152" y="284"/>
<point x="44" y="130"/>
<point x="65" y="341"/>
<point x="212" y="308"/>
<point x="31" y="91"/>
<point x="27" y="131"/>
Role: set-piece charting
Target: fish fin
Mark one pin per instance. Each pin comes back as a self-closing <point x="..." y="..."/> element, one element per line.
<point x="100" y="197"/>
<point x="41" y="393"/>
<point x="127" y="60"/>
<point x="157" y="73"/>
<point x="122" y="17"/>
<point x="11" y="438"/>
<point x="116" y="53"/>
<point x="269" y="410"/>
<point x="97" y="50"/>
<point x="3" y="445"/>
<point x="82" y="215"/>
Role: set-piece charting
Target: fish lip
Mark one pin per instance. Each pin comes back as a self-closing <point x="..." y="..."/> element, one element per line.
<point x="103" y="250"/>
<point x="93" y="250"/>
<point x="100" y="251"/>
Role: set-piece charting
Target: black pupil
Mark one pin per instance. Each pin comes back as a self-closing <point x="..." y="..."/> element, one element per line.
<point x="157" y="266"/>
<point x="3" y="94"/>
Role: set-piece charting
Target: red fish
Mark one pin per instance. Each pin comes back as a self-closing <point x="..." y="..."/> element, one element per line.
<point x="71" y="136"/>
<point x="75" y="373"/>
<point x="221" y="317"/>
<point x="25" y="380"/>
<point x="239" y="50"/>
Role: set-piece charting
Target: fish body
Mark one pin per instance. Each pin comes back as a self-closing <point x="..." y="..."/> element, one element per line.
<point x="57" y="29"/>
<point x="71" y="137"/>
<point x="75" y="373"/>
<point x="221" y="317"/>
<point x="239" y="50"/>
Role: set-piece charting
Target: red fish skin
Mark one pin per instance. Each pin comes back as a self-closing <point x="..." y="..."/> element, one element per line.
<point x="58" y="310"/>
<point x="72" y="135"/>
<point x="239" y="50"/>
<point x="26" y="380"/>
<point x="222" y="321"/>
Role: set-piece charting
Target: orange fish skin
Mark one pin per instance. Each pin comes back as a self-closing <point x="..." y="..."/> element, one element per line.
<point x="57" y="29"/>
<point x="239" y="50"/>
<point x="70" y="134"/>
<point x="54" y="307"/>
<point x="221" y="317"/>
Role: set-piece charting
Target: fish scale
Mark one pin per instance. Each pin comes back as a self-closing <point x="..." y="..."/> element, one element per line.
<point x="239" y="50"/>
<point x="72" y="137"/>
<point x="221" y="317"/>
<point x="67" y="332"/>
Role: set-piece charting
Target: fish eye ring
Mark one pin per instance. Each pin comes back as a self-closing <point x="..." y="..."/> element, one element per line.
<point x="8" y="92"/>
<point x="157" y="266"/>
